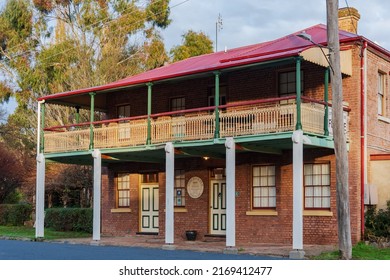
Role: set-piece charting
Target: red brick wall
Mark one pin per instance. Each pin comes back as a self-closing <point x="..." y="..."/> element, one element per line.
<point x="257" y="229"/>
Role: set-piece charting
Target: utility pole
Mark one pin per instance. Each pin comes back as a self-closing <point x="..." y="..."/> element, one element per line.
<point x="340" y="143"/>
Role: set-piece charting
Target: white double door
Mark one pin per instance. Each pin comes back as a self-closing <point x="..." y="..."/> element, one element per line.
<point x="149" y="208"/>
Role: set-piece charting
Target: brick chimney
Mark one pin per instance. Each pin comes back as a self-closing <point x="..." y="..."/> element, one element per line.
<point x="348" y="19"/>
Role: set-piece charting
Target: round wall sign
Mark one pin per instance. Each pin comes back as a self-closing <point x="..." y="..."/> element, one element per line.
<point x="195" y="187"/>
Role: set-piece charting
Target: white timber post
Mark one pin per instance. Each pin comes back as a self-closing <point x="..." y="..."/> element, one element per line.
<point x="230" y="192"/>
<point x="169" y="195"/>
<point x="40" y="197"/>
<point x="297" y="139"/>
<point x="97" y="182"/>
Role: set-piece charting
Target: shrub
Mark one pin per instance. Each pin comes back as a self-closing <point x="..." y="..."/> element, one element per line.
<point x="377" y="223"/>
<point x="15" y="214"/>
<point x="69" y="219"/>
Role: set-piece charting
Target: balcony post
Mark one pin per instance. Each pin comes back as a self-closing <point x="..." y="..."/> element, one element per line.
<point x="298" y="125"/>
<point x="326" y="98"/>
<point x="149" y="129"/>
<point x="92" y="119"/>
<point x="216" y="104"/>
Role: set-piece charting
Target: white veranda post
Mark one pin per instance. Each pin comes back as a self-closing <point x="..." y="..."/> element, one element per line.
<point x="40" y="197"/>
<point x="169" y="195"/>
<point x="230" y="192"/>
<point x="298" y="140"/>
<point x="97" y="182"/>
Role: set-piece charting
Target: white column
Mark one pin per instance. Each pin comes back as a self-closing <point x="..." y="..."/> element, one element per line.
<point x="97" y="183"/>
<point x="40" y="197"/>
<point x="297" y="139"/>
<point x="169" y="195"/>
<point x="230" y="192"/>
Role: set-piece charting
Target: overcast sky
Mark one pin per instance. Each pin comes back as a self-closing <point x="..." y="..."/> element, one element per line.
<point x="248" y="22"/>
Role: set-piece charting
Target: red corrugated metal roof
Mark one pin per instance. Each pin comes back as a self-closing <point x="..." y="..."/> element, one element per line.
<point x="287" y="46"/>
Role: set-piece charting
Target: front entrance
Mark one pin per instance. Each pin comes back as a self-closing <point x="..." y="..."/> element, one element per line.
<point x="218" y="207"/>
<point x="149" y="208"/>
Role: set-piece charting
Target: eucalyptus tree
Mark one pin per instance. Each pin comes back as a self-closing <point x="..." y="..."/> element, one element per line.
<point x="50" y="46"/>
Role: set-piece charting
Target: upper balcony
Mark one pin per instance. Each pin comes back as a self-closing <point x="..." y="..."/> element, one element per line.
<point x="253" y="118"/>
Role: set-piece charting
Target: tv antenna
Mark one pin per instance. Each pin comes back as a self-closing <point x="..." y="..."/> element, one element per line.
<point x="218" y="27"/>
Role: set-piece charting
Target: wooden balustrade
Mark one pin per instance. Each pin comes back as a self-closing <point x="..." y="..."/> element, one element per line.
<point x="252" y="119"/>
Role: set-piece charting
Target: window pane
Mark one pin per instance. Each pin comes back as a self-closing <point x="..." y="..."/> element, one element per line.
<point x="309" y="191"/>
<point x="272" y="202"/>
<point x="283" y="78"/>
<point x="264" y="181"/>
<point x="256" y="202"/>
<point x="272" y="191"/>
<point x="256" y="191"/>
<point x="291" y="87"/>
<point x="264" y="191"/>
<point x="283" y="88"/>
<point x="326" y="202"/>
<point x="317" y="202"/>
<point x="309" y="202"/>
<point x="326" y="191"/>
<point x="271" y="181"/>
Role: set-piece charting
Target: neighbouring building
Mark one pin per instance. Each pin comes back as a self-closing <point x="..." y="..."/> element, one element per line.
<point x="235" y="143"/>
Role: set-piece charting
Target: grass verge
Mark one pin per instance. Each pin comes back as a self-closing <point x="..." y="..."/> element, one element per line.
<point x="29" y="232"/>
<point x="360" y="251"/>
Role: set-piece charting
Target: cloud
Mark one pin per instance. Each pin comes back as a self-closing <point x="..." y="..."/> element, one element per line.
<point x="248" y="22"/>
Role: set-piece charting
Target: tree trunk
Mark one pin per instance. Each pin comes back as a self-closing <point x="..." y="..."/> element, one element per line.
<point x="342" y="170"/>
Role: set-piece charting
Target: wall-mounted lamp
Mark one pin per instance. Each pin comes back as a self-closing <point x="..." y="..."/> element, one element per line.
<point x="307" y="37"/>
<point x="206" y="158"/>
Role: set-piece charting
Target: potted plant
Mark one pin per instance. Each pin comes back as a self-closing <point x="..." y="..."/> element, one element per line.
<point x="191" y="235"/>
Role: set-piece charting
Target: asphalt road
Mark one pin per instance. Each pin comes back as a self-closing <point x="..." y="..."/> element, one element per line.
<point x="28" y="250"/>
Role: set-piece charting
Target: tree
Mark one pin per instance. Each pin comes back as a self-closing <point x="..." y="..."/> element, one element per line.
<point x="11" y="172"/>
<point x="194" y="44"/>
<point x="340" y="143"/>
<point x="49" y="46"/>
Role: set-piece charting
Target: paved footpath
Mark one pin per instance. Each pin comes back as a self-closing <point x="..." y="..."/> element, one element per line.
<point x="28" y="250"/>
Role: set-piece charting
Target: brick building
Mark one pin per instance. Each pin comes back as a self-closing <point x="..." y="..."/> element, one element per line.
<point x="224" y="143"/>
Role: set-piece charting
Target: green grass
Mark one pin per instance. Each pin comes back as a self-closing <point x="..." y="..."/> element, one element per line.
<point x="29" y="232"/>
<point x="360" y="251"/>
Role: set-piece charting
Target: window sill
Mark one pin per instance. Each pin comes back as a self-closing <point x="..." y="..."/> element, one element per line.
<point x="262" y="213"/>
<point x="383" y="119"/>
<point x="121" y="210"/>
<point x="180" y="210"/>
<point x="318" y="213"/>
